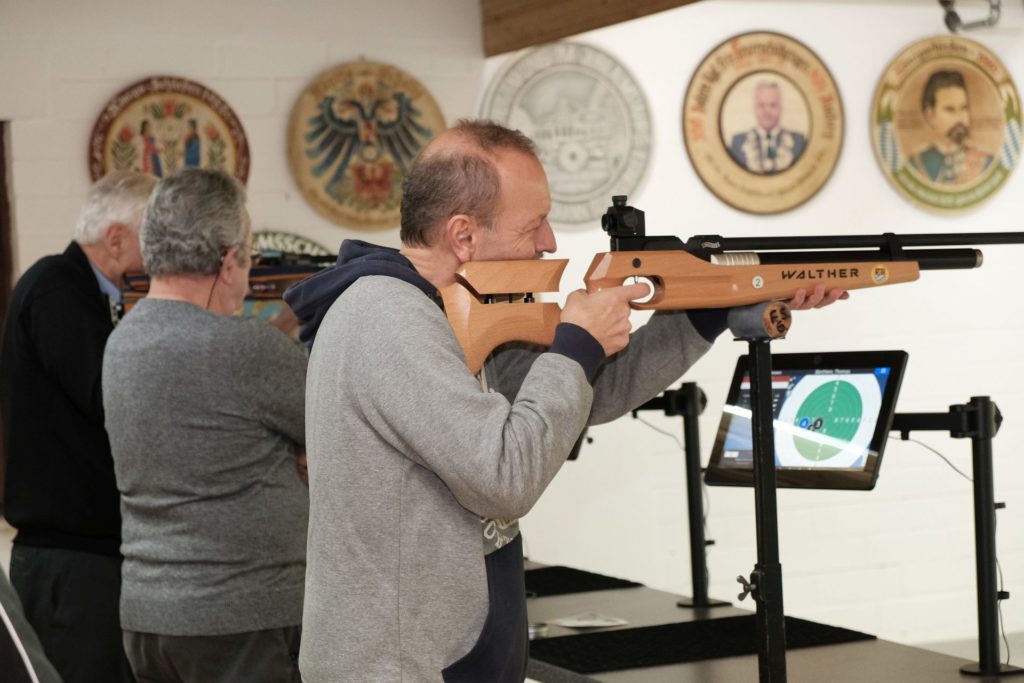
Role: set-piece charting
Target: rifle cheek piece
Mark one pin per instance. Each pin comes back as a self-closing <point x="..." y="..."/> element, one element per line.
<point x="484" y="312"/>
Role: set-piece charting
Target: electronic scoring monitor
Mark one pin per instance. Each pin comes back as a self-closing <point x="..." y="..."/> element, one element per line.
<point x="832" y="413"/>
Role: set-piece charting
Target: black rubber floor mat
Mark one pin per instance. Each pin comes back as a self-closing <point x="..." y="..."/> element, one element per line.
<point x="564" y="580"/>
<point x="690" y="641"/>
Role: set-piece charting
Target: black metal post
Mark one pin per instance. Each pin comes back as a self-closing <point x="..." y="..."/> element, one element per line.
<point x="985" y="427"/>
<point x="688" y="402"/>
<point x="766" y="578"/>
<point x="985" y="529"/>
<point x="694" y="495"/>
<point x="979" y="420"/>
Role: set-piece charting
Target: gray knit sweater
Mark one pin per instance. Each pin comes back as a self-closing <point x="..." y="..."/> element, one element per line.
<point x="203" y="413"/>
<point x="407" y="454"/>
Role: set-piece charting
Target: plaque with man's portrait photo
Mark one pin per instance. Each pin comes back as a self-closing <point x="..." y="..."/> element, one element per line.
<point x="352" y="135"/>
<point x="763" y="122"/>
<point x="946" y="123"/>
<point x="165" y="123"/>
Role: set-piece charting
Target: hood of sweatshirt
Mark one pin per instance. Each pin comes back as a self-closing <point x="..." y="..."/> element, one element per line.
<point x="311" y="298"/>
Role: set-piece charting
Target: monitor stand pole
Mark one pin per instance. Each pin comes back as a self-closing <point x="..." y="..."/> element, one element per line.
<point x="688" y="401"/>
<point x="765" y="584"/>
<point x="979" y="419"/>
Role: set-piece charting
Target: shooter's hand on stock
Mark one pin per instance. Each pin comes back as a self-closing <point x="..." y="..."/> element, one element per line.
<point x="818" y="298"/>
<point x="604" y="314"/>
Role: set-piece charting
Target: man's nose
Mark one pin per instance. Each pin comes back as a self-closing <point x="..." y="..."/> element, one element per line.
<point x="546" y="240"/>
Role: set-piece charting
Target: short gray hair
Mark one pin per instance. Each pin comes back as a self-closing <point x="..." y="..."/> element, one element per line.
<point x="193" y="218"/>
<point x="442" y="184"/>
<point x="118" y="197"/>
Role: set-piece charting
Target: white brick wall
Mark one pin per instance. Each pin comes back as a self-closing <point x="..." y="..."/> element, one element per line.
<point x="63" y="61"/>
<point x="895" y="561"/>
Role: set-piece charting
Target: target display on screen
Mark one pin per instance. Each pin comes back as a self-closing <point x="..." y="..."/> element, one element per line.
<point x="831" y="413"/>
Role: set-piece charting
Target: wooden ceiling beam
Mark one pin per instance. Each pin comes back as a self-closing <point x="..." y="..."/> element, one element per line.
<point x="514" y="24"/>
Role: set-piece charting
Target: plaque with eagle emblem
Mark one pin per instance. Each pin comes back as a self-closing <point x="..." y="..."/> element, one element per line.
<point x="352" y="135"/>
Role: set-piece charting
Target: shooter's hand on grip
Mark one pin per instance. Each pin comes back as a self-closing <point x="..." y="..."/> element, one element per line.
<point x="604" y="314"/>
<point x="816" y="298"/>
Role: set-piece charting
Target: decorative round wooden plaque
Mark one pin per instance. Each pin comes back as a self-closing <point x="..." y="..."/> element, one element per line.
<point x="763" y="122"/>
<point x="165" y="123"/>
<point x="589" y="120"/>
<point x="352" y="134"/>
<point x="946" y="123"/>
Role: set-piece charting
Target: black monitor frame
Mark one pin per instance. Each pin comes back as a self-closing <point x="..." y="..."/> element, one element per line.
<point x="719" y="472"/>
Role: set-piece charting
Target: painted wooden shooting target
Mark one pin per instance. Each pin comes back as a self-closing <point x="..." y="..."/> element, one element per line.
<point x="352" y="135"/>
<point x="763" y="122"/>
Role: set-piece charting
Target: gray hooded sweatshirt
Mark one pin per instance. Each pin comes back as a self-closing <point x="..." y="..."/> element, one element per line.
<point x="419" y="471"/>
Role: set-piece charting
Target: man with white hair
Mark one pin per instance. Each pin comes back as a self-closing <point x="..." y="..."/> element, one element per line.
<point x="205" y="412"/>
<point x="768" y="147"/>
<point x="60" y="492"/>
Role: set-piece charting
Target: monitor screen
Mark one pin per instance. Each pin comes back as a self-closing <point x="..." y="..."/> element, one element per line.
<point x="831" y="414"/>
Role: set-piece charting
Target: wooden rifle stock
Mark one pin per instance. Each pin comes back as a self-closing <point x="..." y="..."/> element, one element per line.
<point x="486" y="305"/>
<point x="481" y="326"/>
<point x="682" y="280"/>
<point x="707" y="271"/>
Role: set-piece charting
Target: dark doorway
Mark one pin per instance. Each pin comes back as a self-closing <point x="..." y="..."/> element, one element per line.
<point x="6" y="260"/>
<point x="6" y="266"/>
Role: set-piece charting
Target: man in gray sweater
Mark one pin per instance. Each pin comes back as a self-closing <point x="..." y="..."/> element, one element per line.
<point x="418" y="470"/>
<point x="205" y="416"/>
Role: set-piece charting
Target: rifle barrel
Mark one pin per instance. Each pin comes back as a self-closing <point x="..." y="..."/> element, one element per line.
<point x="927" y="259"/>
<point x="882" y="241"/>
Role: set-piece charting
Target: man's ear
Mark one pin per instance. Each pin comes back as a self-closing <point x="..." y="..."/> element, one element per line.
<point x="463" y="235"/>
<point x="229" y="266"/>
<point x="115" y="240"/>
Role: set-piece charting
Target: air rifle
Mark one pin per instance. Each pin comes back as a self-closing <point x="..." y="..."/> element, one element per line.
<point x="706" y="271"/>
<point x="274" y="273"/>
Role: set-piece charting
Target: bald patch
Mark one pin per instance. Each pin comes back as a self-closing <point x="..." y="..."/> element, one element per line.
<point x="454" y="142"/>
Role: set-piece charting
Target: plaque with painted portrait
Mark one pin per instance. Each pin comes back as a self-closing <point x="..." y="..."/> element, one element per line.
<point x="353" y="133"/>
<point x="763" y="122"/>
<point x="946" y="123"/>
<point x="165" y="123"/>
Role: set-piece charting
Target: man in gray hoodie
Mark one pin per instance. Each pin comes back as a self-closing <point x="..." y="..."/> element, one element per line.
<point x="419" y="470"/>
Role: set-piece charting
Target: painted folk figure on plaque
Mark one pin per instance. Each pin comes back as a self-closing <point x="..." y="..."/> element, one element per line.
<point x="162" y="124"/>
